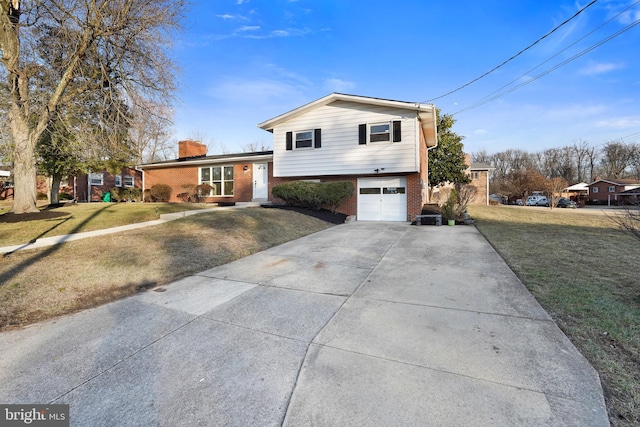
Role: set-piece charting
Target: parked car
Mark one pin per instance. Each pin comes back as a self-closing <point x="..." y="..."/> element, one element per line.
<point x="566" y="203"/>
<point x="537" y="201"/>
<point x="519" y="202"/>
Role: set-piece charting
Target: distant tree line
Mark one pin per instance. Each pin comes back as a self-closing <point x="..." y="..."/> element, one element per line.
<point x="518" y="172"/>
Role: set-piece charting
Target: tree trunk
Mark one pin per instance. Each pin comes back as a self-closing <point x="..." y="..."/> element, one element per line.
<point x="54" y="196"/>
<point x="24" y="166"/>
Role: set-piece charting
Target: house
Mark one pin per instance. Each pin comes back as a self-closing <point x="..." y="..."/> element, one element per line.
<point x="232" y="177"/>
<point x="576" y="191"/>
<point x="606" y="191"/>
<point x="630" y="197"/>
<point x="479" y="173"/>
<point x="379" y="145"/>
<point x="92" y="186"/>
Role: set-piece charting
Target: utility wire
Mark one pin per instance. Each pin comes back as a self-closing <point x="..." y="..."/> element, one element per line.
<point x="514" y="56"/>
<point x="544" y="73"/>
<point x="552" y="57"/>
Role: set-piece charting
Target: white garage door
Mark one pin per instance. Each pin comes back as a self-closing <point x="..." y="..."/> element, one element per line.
<point x="382" y="199"/>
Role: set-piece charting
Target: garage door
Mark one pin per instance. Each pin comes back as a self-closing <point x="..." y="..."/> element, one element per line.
<point x="382" y="199"/>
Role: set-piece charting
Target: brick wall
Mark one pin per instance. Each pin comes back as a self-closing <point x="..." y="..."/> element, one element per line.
<point x="415" y="199"/>
<point x="108" y="182"/>
<point x="481" y="185"/>
<point x="191" y="148"/>
<point x="182" y="178"/>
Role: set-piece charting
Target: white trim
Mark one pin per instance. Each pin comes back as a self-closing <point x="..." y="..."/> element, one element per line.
<point x="204" y="161"/>
<point x="268" y="125"/>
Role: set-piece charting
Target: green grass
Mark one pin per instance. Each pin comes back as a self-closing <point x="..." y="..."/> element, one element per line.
<point x="75" y="218"/>
<point x="584" y="271"/>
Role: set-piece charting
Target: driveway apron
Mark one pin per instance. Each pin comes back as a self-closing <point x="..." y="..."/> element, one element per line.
<point x="360" y="324"/>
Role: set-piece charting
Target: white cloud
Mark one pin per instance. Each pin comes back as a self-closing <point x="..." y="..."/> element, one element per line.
<point x="249" y="28"/>
<point x="239" y="2"/>
<point x="338" y="85"/>
<point x="595" y="68"/>
<point x="480" y="132"/>
<point x="280" y="33"/>
<point x="620" y="123"/>
<point x="225" y="16"/>
<point x="254" y="91"/>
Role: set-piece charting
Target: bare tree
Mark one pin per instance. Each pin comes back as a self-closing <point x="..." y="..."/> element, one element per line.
<point x="254" y="147"/>
<point x="554" y="187"/>
<point x="57" y="51"/>
<point x="617" y="156"/>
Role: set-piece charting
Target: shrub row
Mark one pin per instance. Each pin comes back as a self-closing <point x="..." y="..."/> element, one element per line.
<point x="314" y="195"/>
<point x="124" y="194"/>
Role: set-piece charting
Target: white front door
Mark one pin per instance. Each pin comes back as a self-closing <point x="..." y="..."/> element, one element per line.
<point x="260" y="181"/>
<point x="382" y="199"/>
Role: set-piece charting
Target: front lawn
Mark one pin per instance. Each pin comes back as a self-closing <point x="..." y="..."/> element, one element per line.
<point x="75" y="218"/>
<point x="39" y="284"/>
<point x="584" y="272"/>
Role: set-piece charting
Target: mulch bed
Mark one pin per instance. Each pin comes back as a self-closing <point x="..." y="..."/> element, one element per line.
<point x="322" y="214"/>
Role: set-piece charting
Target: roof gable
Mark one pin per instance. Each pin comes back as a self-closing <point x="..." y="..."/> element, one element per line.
<point x="268" y="125"/>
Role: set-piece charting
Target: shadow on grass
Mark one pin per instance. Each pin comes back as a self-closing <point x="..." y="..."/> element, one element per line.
<point x="8" y="275"/>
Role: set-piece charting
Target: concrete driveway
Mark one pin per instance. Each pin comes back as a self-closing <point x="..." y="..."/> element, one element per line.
<point x="361" y="324"/>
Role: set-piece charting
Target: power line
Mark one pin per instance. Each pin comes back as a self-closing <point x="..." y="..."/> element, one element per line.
<point x="514" y="56"/>
<point x="544" y="73"/>
<point x="478" y="103"/>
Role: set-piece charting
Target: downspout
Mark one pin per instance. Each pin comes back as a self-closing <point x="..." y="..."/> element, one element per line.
<point x="89" y="186"/>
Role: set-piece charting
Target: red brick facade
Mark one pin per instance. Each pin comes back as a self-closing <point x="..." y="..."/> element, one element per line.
<point x="191" y="148"/>
<point x="182" y="178"/>
<point x="414" y="192"/>
<point x="83" y="194"/>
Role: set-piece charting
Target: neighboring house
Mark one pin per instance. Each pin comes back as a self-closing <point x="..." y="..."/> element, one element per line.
<point x="379" y="145"/>
<point x="630" y="197"/>
<point x="606" y="191"/>
<point x="233" y="177"/>
<point x="576" y="191"/>
<point x="92" y="186"/>
<point x="479" y="173"/>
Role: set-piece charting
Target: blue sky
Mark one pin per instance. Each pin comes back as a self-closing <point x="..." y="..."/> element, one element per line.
<point x="246" y="61"/>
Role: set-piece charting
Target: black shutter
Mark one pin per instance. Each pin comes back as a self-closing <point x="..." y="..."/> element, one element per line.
<point x="362" y="134"/>
<point x="317" y="138"/>
<point x="289" y="140"/>
<point x="396" y="131"/>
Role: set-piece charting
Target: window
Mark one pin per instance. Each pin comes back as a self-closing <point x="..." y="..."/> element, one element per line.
<point x="129" y="181"/>
<point x="220" y="178"/>
<point x="379" y="132"/>
<point x="595" y="190"/>
<point x="474" y="176"/>
<point x="370" y="190"/>
<point x="118" y="180"/>
<point x="95" y="179"/>
<point x="393" y="190"/>
<point x="304" y="139"/>
<point x="612" y="189"/>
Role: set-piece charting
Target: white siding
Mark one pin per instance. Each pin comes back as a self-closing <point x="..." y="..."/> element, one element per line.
<point x="340" y="153"/>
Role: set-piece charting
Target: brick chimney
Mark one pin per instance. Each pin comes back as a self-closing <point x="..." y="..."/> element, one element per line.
<point x="191" y="148"/>
<point x="467" y="159"/>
